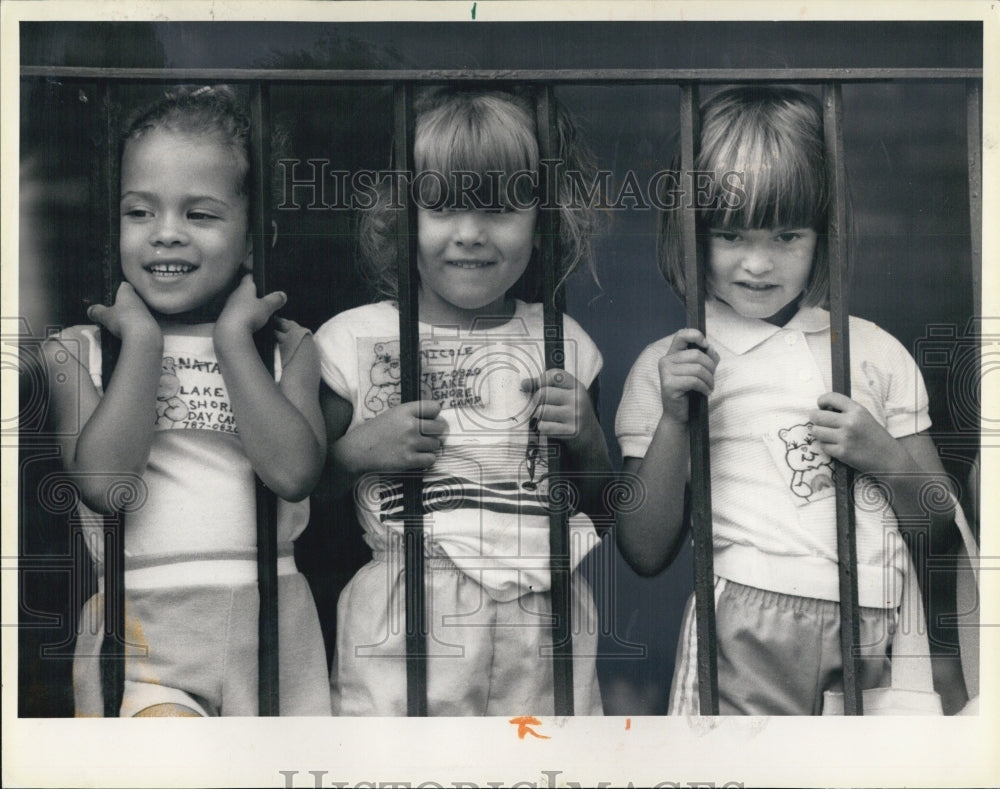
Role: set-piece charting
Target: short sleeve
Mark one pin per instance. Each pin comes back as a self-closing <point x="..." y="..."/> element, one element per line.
<point x="588" y="358"/>
<point x="337" y="344"/>
<point x="892" y="371"/>
<point x="83" y="343"/>
<point x="641" y="405"/>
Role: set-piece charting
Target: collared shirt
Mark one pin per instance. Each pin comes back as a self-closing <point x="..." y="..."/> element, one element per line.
<point x="774" y="523"/>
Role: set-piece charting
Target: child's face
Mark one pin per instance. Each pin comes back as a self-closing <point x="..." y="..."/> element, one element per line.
<point x="184" y="225"/>
<point x="469" y="259"/>
<point x="758" y="272"/>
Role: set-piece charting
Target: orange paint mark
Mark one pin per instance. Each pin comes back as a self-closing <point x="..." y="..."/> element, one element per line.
<point x="523" y="723"/>
<point x="628" y="724"/>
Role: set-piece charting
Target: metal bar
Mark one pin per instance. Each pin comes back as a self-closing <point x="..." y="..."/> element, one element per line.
<point x="409" y="359"/>
<point x="701" y="480"/>
<point x="113" y="650"/>
<point x="974" y="142"/>
<point x="595" y="75"/>
<point x="552" y="309"/>
<point x="268" y="700"/>
<point x="843" y="475"/>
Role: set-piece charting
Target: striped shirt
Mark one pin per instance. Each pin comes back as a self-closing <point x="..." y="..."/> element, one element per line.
<point x="486" y="498"/>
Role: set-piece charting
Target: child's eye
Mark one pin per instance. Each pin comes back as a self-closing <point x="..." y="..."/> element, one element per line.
<point x="137" y="213"/>
<point x="789" y="236"/>
<point x="201" y="215"/>
<point x="724" y="235"/>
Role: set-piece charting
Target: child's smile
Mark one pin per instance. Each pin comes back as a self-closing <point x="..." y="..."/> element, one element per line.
<point x="759" y="272"/>
<point x="468" y="260"/>
<point x="183" y="221"/>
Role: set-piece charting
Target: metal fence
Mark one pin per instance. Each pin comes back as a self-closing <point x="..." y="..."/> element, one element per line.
<point x="403" y="82"/>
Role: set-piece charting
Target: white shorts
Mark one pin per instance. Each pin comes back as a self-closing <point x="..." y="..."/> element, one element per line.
<point x="486" y="657"/>
<point x="196" y="646"/>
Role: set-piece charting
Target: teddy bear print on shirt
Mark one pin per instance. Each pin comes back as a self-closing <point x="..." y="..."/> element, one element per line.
<point x="812" y="468"/>
<point x="384" y="375"/>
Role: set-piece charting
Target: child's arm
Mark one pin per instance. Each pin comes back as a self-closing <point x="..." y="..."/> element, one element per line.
<point x="406" y="437"/>
<point x="847" y="432"/>
<point x="649" y="535"/>
<point x="117" y="431"/>
<point x="280" y="425"/>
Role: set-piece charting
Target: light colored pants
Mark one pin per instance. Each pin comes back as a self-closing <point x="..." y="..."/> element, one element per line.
<point x="486" y="657"/>
<point x="197" y="646"/>
<point x="777" y="653"/>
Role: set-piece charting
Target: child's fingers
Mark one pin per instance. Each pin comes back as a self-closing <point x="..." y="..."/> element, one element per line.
<point x="687" y="338"/>
<point x="826" y="419"/>
<point x="680" y="373"/>
<point x="696" y="382"/>
<point x="424" y="409"/>
<point x="98" y="313"/>
<point x="554" y="421"/>
<point x="559" y="379"/>
<point x="433" y="427"/>
<point x="833" y="401"/>
<point x="274" y="301"/>
<point x="692" y="356"/>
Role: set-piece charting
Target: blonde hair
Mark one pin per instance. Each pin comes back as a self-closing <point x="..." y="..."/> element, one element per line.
<point x="772" y="139"/>
<point x="483" y="131"/>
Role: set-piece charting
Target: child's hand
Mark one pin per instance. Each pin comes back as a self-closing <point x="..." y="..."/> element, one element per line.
<point x="562" y="407"/>
<point x="688" y="366"/>
<point x="244" y="313"/>
<point x="404" y="438"/>
<point x="127" y="317"/>
<point x="847" y="432"/>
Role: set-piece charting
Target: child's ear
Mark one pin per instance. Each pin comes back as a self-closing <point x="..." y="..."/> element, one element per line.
<point x="248" y="260"/>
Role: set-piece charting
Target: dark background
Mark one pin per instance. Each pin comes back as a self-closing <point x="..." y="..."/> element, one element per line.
<point x="906" y="160"/>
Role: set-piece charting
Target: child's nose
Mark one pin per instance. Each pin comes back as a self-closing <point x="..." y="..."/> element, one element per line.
<point x="169" y="231"/>
<point x="469" y="228"/>
<point x="757" y="260"/>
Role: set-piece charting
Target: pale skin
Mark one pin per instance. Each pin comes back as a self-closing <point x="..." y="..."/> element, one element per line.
<point x="650" y="537"/>
<point x="493" y="249"/>
<point x="408" y="437"/>
<point x="773" y="261"/>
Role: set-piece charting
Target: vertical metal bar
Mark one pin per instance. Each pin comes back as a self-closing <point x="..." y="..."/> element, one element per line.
<point x="843" y="474"/>
<point x="974" y="142"/>
<point x="409" y="359"/>
<point x="267" y="502"/>
<point x="112" y="658"/>
<point x="552" y="309"/>
<point x="701" y="480"/>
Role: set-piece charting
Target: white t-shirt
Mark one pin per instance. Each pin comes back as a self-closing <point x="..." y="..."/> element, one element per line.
<point x="486" y="496"/>
<point x="197" y="494"/>
<point x="774" y="522"/>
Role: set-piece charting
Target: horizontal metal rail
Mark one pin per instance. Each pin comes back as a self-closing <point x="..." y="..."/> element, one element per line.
<point x="562" y="76"/>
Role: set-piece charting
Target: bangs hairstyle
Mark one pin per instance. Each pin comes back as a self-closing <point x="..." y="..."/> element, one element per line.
<point x="763" y="149"/>
<point x="214" y="111"/>
<point x="462" y="136"/>
<point x="475" y="134"/>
